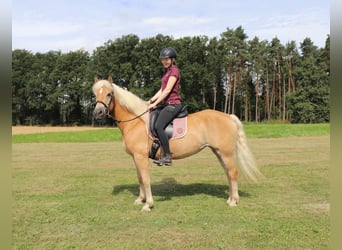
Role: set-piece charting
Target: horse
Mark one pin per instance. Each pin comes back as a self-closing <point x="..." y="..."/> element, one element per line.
<point x="222" y="133"/>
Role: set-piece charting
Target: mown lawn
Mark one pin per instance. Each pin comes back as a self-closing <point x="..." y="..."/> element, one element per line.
<point x="76" y="195"/>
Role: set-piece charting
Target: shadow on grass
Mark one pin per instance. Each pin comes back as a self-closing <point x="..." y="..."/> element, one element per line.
<point x="168" y="188"/>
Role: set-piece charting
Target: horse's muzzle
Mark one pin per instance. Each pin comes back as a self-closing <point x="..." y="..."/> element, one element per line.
<point x="99" y="112"/>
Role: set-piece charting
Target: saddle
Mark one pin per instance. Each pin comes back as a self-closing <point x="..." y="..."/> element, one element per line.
<point x="175" y="129"/>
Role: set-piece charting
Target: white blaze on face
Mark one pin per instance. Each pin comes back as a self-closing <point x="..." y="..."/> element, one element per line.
<point x="101" y="89"/>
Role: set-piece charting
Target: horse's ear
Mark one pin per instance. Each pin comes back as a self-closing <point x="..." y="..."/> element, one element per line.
<point x="96" y="79"/>
<point x="110" y="79"/>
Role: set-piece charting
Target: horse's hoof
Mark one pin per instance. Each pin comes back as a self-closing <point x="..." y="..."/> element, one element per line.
<point x="231" y="202"/>
<point x="146" y="208"/>
<point x="138" y="202"/>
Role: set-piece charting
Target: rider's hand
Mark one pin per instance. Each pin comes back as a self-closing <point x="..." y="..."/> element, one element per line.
<point x="151" y="106"/>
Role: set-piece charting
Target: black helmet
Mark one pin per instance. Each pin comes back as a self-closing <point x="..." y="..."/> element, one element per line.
<point x="168" y="52"/>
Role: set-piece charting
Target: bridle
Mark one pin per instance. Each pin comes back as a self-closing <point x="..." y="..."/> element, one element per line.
<point x="110" y="116"/>
<point x="105" y="105"/>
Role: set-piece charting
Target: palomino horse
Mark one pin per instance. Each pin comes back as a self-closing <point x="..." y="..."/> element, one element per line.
<point x="219" y="131"/>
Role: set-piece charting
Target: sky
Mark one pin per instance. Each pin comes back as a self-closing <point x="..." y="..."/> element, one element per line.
<point x="70" y="25"/>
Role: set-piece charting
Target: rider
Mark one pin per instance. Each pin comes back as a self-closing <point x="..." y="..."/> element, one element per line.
<point x="167" y="95"/>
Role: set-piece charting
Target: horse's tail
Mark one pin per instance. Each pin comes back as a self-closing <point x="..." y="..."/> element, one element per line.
<point x="247" y="164"/>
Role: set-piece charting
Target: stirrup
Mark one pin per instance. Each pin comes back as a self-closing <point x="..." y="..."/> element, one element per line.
<point x="158" y="162"/>
<point x="164" y="161"/>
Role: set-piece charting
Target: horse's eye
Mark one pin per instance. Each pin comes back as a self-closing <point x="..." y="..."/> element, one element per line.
<point x="109" y="95"/>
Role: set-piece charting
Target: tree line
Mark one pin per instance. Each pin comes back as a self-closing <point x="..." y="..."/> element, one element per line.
<point x="258" y="80"/>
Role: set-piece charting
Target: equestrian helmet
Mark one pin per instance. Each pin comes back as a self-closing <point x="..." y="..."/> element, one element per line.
<point x="168" y="52"/>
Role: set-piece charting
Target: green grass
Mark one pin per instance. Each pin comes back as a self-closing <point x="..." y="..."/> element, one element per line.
<point x="100" y="135"/>
<point x="286" y="130"/>
<point x="113" y="134"/>
<point x="80" y="196"/>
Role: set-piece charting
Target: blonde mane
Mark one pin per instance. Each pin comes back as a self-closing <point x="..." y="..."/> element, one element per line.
<point x="125" y="98"/>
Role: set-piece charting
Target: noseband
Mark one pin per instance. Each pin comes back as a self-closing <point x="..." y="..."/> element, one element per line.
<point x="106" y="106"/>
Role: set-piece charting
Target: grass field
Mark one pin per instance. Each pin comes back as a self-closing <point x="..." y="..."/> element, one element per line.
<point x="78" y="194"/>
<point x="113" y="134"/>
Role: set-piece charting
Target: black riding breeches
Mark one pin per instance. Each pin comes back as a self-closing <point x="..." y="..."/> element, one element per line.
<point x="166" y="115"/>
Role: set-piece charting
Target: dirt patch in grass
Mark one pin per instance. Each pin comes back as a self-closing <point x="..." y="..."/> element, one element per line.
<point x="323" y="207"/>
<point x="43" y="129"/>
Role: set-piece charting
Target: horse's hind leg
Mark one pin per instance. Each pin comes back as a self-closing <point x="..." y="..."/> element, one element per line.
<point x="232" y="173"/>
<point x="228" y="163"/>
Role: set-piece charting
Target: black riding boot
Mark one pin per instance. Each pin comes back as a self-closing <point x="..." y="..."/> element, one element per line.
<point x="165" y="160"/>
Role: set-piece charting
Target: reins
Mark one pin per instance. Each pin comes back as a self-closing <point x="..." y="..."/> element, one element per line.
<point x="118" y="121"/>
<point x="115" y="120"/>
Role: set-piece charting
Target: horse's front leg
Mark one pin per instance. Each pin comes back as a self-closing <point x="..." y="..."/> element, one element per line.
<point x="143" y="173"/>
<point x="141" y="198"/>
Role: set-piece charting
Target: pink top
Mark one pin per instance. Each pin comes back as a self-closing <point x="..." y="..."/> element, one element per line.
<point x="173" y="97"/>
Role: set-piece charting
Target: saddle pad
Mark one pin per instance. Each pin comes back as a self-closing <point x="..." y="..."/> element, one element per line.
<point x="179" y="128"/>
